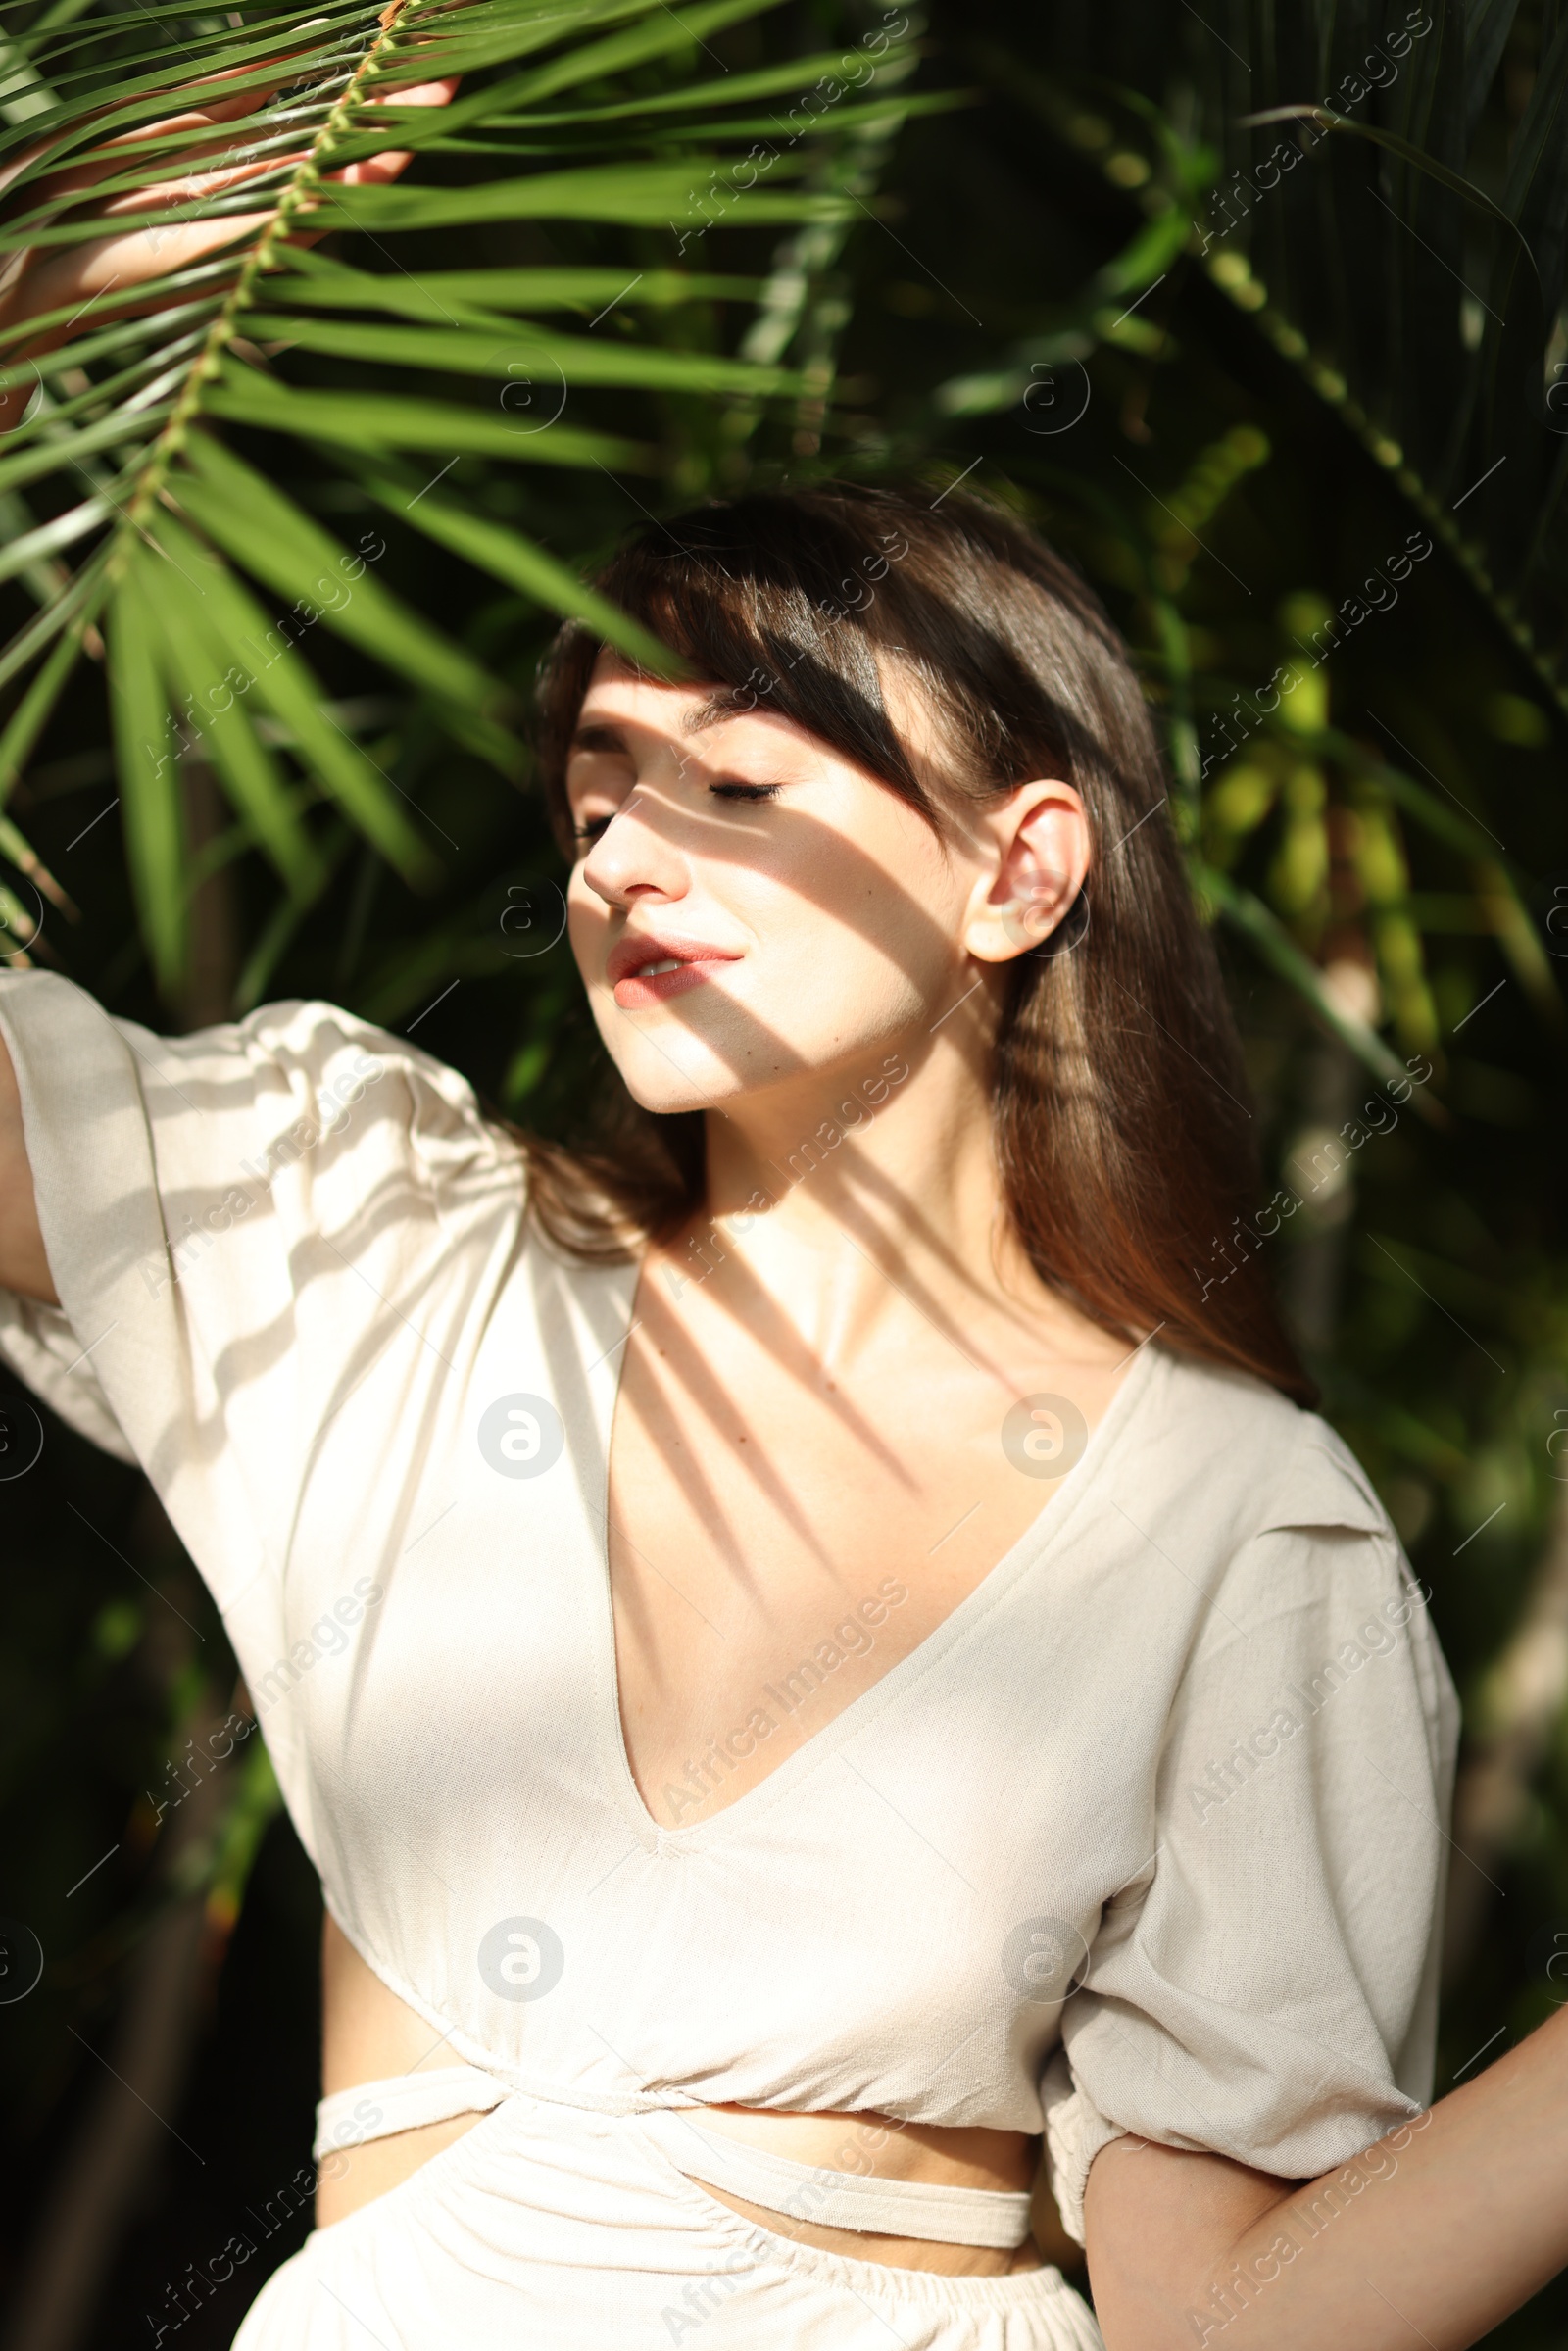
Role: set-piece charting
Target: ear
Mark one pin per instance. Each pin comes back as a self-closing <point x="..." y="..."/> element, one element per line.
<point x="1039" y="838"/>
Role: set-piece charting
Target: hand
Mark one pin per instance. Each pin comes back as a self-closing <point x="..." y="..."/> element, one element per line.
<point x="34" y="281"/>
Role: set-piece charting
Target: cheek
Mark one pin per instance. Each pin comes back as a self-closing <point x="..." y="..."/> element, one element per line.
<point x="841" y="967"/>
<point x="859" y="934"/>
<point x="830" y="978"/>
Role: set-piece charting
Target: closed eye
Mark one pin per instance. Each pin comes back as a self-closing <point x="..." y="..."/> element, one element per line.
<point x="747" y="794"/>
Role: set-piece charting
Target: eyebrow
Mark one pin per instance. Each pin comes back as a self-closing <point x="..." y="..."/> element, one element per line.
<point x="713" y="709"/>
<point x="599" y="737"/>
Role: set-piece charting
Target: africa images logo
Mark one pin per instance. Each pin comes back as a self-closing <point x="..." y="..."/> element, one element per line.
<point x="521" y="1436"/>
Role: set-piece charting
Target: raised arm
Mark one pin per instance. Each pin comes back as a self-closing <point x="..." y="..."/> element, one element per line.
<point x="23" y="1267"/>
<point x="123" y="257"/>
<point x="1432" y="2234"/>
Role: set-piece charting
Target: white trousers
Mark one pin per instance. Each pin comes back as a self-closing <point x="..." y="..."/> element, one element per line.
<point x="559" y="2230"/>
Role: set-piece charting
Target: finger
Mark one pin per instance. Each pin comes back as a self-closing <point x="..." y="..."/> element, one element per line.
<point x="378" y="170"/>
<point x="163" y="193"/>
<point x="423" y="93"/>
<point x="101" y="160"/>
<point x="107" y="272"/>
<point x="198" y="182"/>
<point x="115" y="267"/>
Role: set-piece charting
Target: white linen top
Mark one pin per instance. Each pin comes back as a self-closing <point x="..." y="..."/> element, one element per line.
<point x="1188" y="1747"/>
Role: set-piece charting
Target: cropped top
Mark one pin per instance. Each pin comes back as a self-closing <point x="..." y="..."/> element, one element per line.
<point x="1149" y="1836"/>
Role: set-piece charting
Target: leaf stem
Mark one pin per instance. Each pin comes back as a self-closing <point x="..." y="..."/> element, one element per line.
<point x="302" y="191"/>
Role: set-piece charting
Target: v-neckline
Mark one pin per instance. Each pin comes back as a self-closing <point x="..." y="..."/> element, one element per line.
<point x="1037" y="1536"/>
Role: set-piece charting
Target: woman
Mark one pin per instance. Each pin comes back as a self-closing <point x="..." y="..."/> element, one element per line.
<point x="817" y="1652"/>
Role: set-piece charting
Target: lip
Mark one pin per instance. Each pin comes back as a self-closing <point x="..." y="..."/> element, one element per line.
<point x="695" y="960"/>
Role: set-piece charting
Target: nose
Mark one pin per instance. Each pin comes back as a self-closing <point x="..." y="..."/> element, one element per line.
<point x="635" y="856"/>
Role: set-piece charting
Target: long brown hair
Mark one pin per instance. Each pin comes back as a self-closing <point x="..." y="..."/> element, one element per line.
<point x="1123" y="1133"/>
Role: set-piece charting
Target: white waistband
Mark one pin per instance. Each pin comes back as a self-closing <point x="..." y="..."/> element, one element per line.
<point x="401" y="2102"/>
<point x="953" y="2216"/>
<point x="803" y="2191"/>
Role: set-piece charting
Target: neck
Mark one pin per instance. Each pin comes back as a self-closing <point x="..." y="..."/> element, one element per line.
<point x="853" y="1194"/>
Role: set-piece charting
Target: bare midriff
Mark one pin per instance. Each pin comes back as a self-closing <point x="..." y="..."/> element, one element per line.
<point x="369" y="2033"/>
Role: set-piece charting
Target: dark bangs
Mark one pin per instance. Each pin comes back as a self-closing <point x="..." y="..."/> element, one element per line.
<point x="783" y="601"/>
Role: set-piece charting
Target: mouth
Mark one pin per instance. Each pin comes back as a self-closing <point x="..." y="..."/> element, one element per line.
<point x="649" y="971"/>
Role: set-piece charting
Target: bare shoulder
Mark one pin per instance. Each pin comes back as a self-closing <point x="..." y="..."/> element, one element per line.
<point x="23" y="1267"/>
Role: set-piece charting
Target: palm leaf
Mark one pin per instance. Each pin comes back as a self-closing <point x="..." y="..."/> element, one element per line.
<point x="510" y="558"/>
<point x="189" y="651"/>
<point x="256" y="524"/>
<point x="1407" y="152"/>
<point x="1258" y="923"/>
<point x="169" y="484"/>
<point x="154" y="818"/>
<point x="1411" y="263"/>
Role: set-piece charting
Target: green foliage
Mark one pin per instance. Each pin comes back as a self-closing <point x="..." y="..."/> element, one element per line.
<point x="1243" y="318"/>
<point x="447" y="363"/>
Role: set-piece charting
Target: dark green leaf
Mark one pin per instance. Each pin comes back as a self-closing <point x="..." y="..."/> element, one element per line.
<point x="508" y="555"/>
<point x="147" y="747"/>
<point x="275" y="541"/>
<point x="388" y="420"/>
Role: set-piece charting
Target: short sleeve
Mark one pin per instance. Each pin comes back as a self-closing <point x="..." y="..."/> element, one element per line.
<point x="234" y="1221"/>
<point x="1266" y="1988"/>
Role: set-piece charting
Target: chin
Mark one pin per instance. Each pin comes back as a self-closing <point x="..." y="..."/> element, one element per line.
<point x="666" y="1094"/>
<point x="670" y="1070"/>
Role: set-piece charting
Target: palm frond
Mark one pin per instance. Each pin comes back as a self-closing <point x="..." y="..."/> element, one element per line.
<point x="1403" y="245"/>
<point x="150" y="491"/>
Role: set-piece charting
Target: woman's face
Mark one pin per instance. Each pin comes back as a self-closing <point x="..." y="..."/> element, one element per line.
<point x="749" y="907"/>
